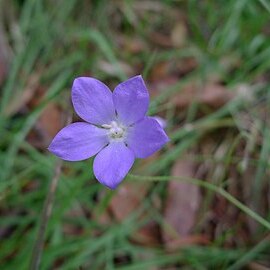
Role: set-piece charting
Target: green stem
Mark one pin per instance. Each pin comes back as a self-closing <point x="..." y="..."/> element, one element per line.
<point x="208" y="186"/>
<point x="265" y="4"/>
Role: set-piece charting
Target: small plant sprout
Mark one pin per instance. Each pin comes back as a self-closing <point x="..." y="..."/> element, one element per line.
<point x="116" y="130"/>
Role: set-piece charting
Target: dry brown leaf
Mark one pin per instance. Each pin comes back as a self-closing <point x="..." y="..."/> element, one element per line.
<point x="51" y="120"/>
<point x="148" y="235"/>
<point x="179" y="34"/>
<point x="183" y="200"/>
<point x="157" y="87"/>
<point x="213" y="95"/>
<point x="132" y="45"/>
<point x="186" y="65"/>
<point x="48" y="124"/>
<point x="257" y="266"/>
<point x="160" y="71"/>
<point x="161" y="39"/>
<point x="127" y="199"/>
<point x="113" y="70"/>
<point x="167" y="73"/>
<point x="187" y="241"/>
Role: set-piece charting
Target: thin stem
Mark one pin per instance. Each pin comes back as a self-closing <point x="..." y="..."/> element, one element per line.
<point x="251" y="254"/>
<point x="265" y="4"/>
<point x="212" y="187"/>
<point x="46" y="213"/>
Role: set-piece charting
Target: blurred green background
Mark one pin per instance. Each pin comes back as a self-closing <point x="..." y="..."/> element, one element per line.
<point x="207" y="67"/>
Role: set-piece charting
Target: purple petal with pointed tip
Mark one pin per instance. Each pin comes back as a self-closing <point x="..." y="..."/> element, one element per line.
<point x="131" y="100"/>
<point x="92" y="101"/>
<point x="78" y="141"/>
<point x="112" y="164"/>
<point x="146" y="137"/>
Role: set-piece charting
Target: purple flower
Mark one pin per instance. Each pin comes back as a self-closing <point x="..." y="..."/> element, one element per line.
<point x="116" y="128"/>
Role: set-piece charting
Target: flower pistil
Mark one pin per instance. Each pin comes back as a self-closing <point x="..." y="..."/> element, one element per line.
<point x="116" y="131"/>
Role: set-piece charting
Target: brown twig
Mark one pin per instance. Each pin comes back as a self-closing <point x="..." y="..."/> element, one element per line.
<point x="46" y="213"/>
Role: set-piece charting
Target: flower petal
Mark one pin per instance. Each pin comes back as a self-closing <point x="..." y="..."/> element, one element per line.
<point x="112" y="164"/>
<point x="146" y="137"/>
<point x="131" y="100"/>
<point x="92" y="101"/>
<point x="162" y="122"/>
<point x="78" y="141"/>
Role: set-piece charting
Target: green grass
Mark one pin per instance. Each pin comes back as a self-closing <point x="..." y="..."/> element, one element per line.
<point x="58" y="41"/>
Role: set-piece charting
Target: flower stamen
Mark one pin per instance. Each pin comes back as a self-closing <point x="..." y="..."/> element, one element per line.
<point x="116" y="130"/>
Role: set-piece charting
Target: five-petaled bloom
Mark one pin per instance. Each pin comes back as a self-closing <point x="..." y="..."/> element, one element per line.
<point x="116" y="128"/>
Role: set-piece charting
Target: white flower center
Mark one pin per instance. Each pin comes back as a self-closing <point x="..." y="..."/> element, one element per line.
<point x="116" y="131"/>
